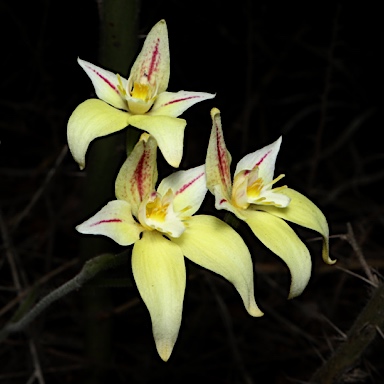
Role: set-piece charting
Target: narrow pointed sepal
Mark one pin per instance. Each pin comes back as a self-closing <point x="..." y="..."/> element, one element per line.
<point x="280" y="238"/>
<point x="218" y="161"/>
<point x="138" y="175"/>
<point x="304" y="212"/>
<point x="175" y="103"/>
<point x="114" y="221"/>
<point x="153" y="60"/>
<point x="92" y="119"/>
<point x="216" y="246"/>
<point x="106" y="84"/>
<point x="159" y="272"/>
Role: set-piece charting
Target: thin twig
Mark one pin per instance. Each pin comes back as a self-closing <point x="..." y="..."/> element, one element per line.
<point x="229" y="328"/>
<point x="38" y="374"/>
<point x="39" y="282"/>
<point x="352" y="240"/>
<point x="356" y="275"/>
<point x="359" y="337"/>
<point x="90" y="269"/>
<point x="324" y="97"/>
<point x="10" y="253"/>
<point x="40" y="191"/>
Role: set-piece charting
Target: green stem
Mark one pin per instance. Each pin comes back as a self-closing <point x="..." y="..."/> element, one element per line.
<point x="118" y="42"/>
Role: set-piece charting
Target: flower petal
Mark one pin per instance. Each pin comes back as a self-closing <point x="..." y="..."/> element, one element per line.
<point x="189" y="188"/>
<point x="214" y="245"/>
<point x="153" y="60"/>
<point x="159" y="271"/>
<point x="174" y="104"/>
<point x="106" y="84"/>
<point x="115" y="221"/>
<point x="91" y="119"/>
<point x="138" y="175"/>
<point x="280" y="238"/>
<point x="168" y="132"/>
<point x="217" y="164"/>
<point x="264" y="158"/>
<point x="302" y="211"/>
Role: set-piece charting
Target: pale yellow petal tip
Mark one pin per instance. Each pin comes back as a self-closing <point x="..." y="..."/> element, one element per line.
<point x="294" y="293"/>
<point x="254" y="310"/>
<point x="164" y="349"/>
<point x="297" y="287"/>
<point x="325" y="252"/>
<point x="327" y="259"/>
<point x="144" y="136"/>
<point x="214" y="112"/>
<point x="81" y="166"/>
<point x="174" y="164"/>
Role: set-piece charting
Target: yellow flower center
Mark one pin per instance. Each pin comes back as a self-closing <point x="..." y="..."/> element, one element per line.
<point x="249" y="188"/>
<point x="156" y="213"/>
<point x="156" y="210"/>
<point x="255" y="188"/>
<point x="140" y="96"/>
<point x="141" y="91"/>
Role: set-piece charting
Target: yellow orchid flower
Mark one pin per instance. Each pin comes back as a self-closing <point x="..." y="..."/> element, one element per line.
<point x="252" y="199"/>
<point x="140" y="101"/>
<point x="161" y="225"/>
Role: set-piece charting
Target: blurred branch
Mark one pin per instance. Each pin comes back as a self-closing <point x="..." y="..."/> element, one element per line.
<point x="362" y="333"/>
<point x="42" y="280"/>
<point x="41" y="190"/>
<point x="367" y="269"/>
<point x="324" y="98"/>
<point x="91" y="268"/>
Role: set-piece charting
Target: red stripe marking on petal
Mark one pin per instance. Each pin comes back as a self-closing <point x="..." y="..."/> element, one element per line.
<point x="262" y="159"/>
<point x="106" y="221"/>
<point x="223" y="164"/>
<point x="222" y="201"/>
<point x="104" y="79"/>
<point x="178" y="100"/>
<point x="154" y="60"/>
<point x="140" y="175"/>
<point x="185" y="186"/>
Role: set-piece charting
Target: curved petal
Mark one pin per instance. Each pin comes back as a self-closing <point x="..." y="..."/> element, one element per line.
<point x="106" y="84"/>
<point x="280" y="238"/>
<point x="174" y="104"/>
<point x="217" y="163"/>
<point x="153" y="60"/>
<point x="264" y="158"/>
<point x="115" y="221"/>
<point x="168" y="132"/>
<point x="91" y="119"/>
<point x="189" y="188"/>
<point x="159" y="271"/>
<point x="214" y="245"/>
<point x="138" y="175"/>
<point x="302" y="211"/>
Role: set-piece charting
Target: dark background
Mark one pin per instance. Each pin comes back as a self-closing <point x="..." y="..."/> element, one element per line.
<point x="311" y="73"/>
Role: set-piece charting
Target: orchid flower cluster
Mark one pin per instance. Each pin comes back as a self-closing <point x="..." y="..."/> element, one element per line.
<point x="161" y="223"/>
